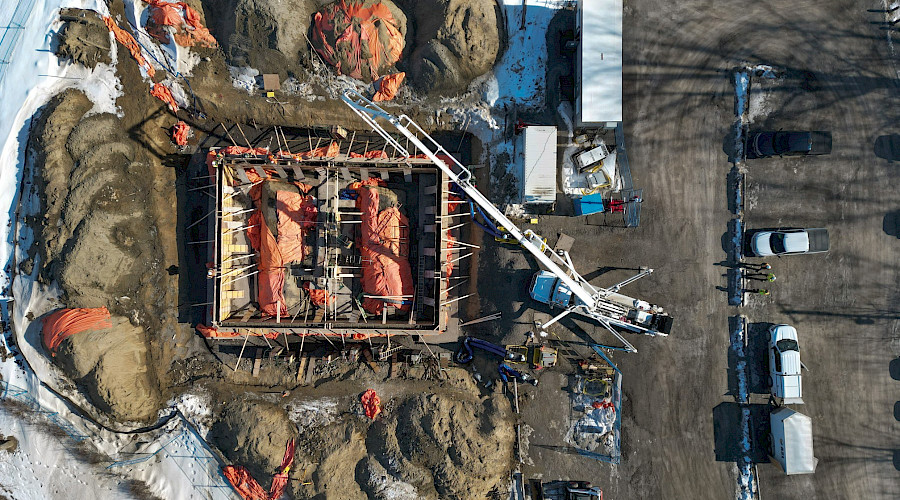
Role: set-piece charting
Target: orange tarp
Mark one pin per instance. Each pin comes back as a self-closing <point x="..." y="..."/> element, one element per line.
<point x="329" y="151"/>
<point x="297" y="214"/>
<point x="130" y="43"/>
<point x="67" y="322"/>
<point x="384" y="246"/>
<point x="180" y="133"/>
<point x="317" y="296"/>
<point x="270" y="279"/>
<point x="357" y="40"/>
<point x="188" y="30"/>
<point x="249" y="488"/>
<point x="163" y="93"/>
<point x="388" y="87"/>
<point x="371" y="403"/>
<point x="372" y="155"/>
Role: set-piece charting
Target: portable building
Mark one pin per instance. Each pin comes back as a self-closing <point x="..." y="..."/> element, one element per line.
<point x="792" y="442"/>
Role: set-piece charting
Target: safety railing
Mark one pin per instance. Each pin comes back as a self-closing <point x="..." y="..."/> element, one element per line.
<point x="13" y="29"/>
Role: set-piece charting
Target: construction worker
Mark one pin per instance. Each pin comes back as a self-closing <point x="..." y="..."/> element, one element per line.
<point x="760" y="291"/>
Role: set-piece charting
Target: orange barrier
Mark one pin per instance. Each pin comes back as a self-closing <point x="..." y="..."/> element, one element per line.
<point x="319" y="297"/>
<point x="180" y="133"/>
<point x="371" y="403"/>
<point x="388" y="87"/>
<point x="67" y="322"/>
<point x="163" y="93"/>
<point x="130" y="43"/>
<point x="357" y="40"/>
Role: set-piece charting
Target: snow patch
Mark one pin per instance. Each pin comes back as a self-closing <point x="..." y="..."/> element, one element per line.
<point x="312" y="413"/>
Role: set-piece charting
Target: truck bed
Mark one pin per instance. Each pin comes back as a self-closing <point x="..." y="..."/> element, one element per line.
<point x="818" y="240"/>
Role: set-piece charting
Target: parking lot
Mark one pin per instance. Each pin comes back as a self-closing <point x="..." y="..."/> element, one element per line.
<point x="839" y="75"/>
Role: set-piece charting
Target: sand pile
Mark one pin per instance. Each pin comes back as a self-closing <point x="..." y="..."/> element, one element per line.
<point x="111" y="366"/>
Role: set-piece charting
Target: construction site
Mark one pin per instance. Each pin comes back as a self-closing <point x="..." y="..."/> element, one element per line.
<point x="449" y="249"/>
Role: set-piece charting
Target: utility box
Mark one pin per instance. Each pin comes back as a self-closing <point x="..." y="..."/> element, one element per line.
<point x="537" y="145"/>
<point x="792" y="442"/>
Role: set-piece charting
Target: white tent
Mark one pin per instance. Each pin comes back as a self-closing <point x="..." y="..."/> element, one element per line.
<point x="538" y="158"/>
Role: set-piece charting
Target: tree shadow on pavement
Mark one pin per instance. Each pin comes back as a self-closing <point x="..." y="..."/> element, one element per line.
<point x="888" y="147"/>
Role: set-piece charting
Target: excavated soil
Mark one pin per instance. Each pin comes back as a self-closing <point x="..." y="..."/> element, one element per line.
<point x="433" y="440"/>
<point x="84" y="38"/>
<point x="112" y="367"/>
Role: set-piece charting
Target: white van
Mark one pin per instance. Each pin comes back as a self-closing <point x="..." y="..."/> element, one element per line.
<point x="784" y="364"/>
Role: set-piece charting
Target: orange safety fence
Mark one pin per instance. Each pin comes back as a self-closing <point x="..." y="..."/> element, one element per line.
<point x="163" y="93"/>
<point x="180" y="133"/>
<point x="371" y="403"/>
<point x="388" y="86"/>
<point x="130" y="43"/>
<point x="188" y="29"/>
<point x="64" y="323"/>
<point x="214" y="333"/>
<point x="357" y="40"/>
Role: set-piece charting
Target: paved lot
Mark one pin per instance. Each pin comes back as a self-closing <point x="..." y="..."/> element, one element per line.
<point x="679" y="108"/>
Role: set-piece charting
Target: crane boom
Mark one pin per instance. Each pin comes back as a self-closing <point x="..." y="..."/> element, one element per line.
<point x="606" y="306"/>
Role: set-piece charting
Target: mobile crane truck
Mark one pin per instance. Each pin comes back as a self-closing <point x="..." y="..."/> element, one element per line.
<point x="560" y="285"/>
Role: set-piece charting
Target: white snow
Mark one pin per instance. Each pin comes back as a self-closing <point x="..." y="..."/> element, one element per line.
<point x="309" y="414"/>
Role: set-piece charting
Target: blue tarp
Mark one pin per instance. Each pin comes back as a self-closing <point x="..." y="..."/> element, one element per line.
<point x="590" y="204"/>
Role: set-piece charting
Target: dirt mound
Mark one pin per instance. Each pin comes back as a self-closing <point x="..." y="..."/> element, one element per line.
<point x="454" y="42"/>
<point x="84" y="38"/>
<point x="100" y="239"/>
<point x="112" y="367"/>
<point x="446" y="441"/>
<point x="267" y="36"/>
<point x="253" y="434"/>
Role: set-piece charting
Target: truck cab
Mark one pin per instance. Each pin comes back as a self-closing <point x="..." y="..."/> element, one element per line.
<point x="546" y="288"/>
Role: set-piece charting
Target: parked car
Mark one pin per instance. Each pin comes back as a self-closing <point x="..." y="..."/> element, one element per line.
<point x="789" y="242"/>
<point x="766" y="144"/>
<point x="784" y="364"/>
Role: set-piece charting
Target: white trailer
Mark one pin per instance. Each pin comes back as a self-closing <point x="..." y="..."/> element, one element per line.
<point x="538" y="156"/>
<point x="791" y="442"/>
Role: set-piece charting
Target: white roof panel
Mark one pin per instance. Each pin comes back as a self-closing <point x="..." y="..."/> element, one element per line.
<point x="601" y="61"/>
<point x="539" y="164"/>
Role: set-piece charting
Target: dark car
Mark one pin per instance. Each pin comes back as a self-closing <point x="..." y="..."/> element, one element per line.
<point x="765" y="144"/>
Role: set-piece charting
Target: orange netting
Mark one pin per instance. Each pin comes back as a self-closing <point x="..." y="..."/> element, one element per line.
<point x="374" y="154"/>
<point x="384" y="246"/>
<point x="371" y="403"/>
<point x="67" y="322"/>
<point x="388" y="87"/>
<point x="358" y="41"/>
<point x="187" y="30"/>
<point x="163" y="93"/>
<point x="180" y="133"/>
<point x="249" y="488"/>
<point x="130" y="43"/>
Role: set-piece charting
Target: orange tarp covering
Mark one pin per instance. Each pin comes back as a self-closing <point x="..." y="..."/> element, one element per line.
<point x="188" y="31"/>
<point x="357" y="40"/>
<point x="388" y="87"/>
<point x="180" y="133"/>
<point x="296" y="214"/>
<point x="163" y="93"/>
<point x="130" y="43"/>
<point x="384" y="246"/>
<point x="371" y="403"/>
<point x="329" y="151"/>
<point x="317" y="296"/>
<point x="67" y="322"/>
<point x="249" y="488"/>
<point x="374" y="154"/>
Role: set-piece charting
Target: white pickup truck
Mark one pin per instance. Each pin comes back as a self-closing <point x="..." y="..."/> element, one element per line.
<point x="784" y="364"/>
